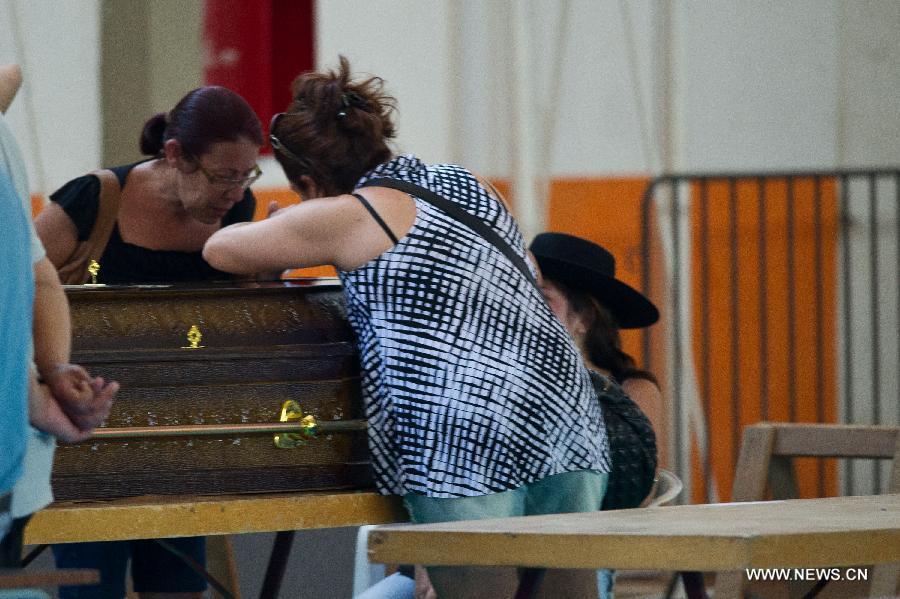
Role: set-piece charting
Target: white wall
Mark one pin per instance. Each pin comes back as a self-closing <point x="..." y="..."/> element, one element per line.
<point x="55" y="116"/>
<point x="756" y="85"/>
<point x="408" y="43"/>
<point x="868" y="128"/>
<point x="759" y="85"/>
<point x="763" y="85"/>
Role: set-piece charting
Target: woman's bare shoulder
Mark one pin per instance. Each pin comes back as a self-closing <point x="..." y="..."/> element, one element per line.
<point x="640" y="386"/>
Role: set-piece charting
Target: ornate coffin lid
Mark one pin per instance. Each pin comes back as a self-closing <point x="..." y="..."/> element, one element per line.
<point x="215" y="317"/>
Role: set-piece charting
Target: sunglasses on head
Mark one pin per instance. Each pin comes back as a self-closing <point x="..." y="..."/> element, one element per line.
<point x="279" y="146"/>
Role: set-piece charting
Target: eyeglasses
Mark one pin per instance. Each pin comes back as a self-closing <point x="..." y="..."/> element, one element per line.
<point x="229" y="183"/>
<point x="280" y="147"/>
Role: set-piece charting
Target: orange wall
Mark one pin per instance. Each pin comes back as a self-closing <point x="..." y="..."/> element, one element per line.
<point x="286" y="197"/>
<point x="608" y="211"/>
<point x="761" y="383"/>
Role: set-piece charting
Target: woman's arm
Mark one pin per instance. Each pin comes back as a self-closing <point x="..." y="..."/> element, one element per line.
<point x="52" y="325"/>
<point x="647" y="396"/>
<point x="337" y="231"/>
<point x="57" y="233"/>
<point x="294" y="237"/>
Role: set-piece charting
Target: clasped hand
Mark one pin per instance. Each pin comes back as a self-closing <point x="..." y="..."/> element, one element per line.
<point x="70" y="403"/>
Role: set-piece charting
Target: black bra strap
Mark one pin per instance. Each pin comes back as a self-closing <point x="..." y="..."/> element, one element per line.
<point x="377" y="217"/>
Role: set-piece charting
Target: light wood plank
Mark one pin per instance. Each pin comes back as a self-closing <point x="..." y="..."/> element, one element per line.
<point x="783" y="478"/>
<point x="767" y="455"/>
<point x="838" y="531"/>
<point x="164" y="517"/>
<point x="885" y="577"/>
<point x="220" y="563"/>
<point x="753" y="463"/>
<point x="833" y="440"/>
<point x="46" y="579"/>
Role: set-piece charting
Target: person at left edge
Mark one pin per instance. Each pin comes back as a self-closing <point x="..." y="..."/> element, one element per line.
<point x="202" y="161"/>
<point x="64" y="401"/>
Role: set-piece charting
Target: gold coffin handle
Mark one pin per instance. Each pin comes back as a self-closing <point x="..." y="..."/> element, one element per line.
<point x="309" y="426"/>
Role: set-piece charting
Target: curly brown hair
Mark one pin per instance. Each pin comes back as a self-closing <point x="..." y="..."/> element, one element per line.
<point x="338" y="129"/>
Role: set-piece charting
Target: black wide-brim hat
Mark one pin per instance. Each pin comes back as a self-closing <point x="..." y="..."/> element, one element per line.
<point x="585" y="266"/>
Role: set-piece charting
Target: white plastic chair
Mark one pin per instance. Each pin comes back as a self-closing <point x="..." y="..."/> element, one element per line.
<point x="668" y="487"/>
<point x="365" y="573"/>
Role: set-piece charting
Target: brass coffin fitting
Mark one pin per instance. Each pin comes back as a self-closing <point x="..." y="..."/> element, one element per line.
<point x="308" y="426"/>
<point x="193" y="336"/>
<point x="93" y="269"/>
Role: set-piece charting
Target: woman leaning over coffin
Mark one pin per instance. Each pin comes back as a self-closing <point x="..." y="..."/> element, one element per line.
<point x="202" y="160"/>
<point x="477" y="400"/>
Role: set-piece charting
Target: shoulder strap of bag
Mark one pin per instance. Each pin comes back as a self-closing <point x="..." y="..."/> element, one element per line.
<point x="74" y="271"/>
<point x="110" y="191"/>
<point x="454" y="211"/>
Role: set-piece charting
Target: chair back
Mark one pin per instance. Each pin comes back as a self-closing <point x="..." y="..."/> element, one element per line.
<point x="766" y="462"/>
<point x="668" y="488"/>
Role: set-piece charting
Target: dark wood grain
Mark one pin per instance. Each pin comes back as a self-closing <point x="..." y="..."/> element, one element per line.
<point x="261" y="345"/>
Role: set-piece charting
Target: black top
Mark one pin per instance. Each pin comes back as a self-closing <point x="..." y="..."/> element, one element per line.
<point x="123" y="262"/>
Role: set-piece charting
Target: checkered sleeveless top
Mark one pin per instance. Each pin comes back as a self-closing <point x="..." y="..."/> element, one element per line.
<point x="471" y="386"/>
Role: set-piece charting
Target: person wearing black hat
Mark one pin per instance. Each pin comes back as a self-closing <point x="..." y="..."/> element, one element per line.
<point x="580" y="285"/>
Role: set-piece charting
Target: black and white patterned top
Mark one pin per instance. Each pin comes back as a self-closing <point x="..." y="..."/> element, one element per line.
<point x="471" y="386"/>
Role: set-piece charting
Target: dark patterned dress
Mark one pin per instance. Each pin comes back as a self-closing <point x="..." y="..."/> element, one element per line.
<point x="471" y="385"/>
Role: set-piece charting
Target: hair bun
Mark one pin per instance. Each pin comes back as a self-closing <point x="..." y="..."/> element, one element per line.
<point x="151" y="143"/>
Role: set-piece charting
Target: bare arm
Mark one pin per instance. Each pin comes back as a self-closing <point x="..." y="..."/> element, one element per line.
<point x="83" y="401"/>
<point x="10" y="81"/>
<point x="293" y="237"/>
<point x="57" y="233"/>
<point x="648" y="397"/>
<point x="52" y="326"/>
<point x="335" y="231"/>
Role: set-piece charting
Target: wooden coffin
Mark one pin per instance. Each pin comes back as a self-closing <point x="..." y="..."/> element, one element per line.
<point x="195" y="362"/>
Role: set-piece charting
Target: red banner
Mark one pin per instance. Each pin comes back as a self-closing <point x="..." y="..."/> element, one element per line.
<point x="257" y="48"/>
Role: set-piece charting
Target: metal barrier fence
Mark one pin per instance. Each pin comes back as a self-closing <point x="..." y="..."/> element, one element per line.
<point x="780" y="298"/>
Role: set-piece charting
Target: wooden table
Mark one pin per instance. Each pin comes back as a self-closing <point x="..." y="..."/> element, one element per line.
<point x="160" y="517"/>
<point x="796" y="533"/>
<point x="164" y="516"/>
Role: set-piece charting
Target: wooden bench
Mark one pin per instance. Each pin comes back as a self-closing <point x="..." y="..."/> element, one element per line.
<point x="161" y="517"/>
<point x="766" y="461"/>
<point x="14" y="578"/>
<point x="795" y="533"/>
